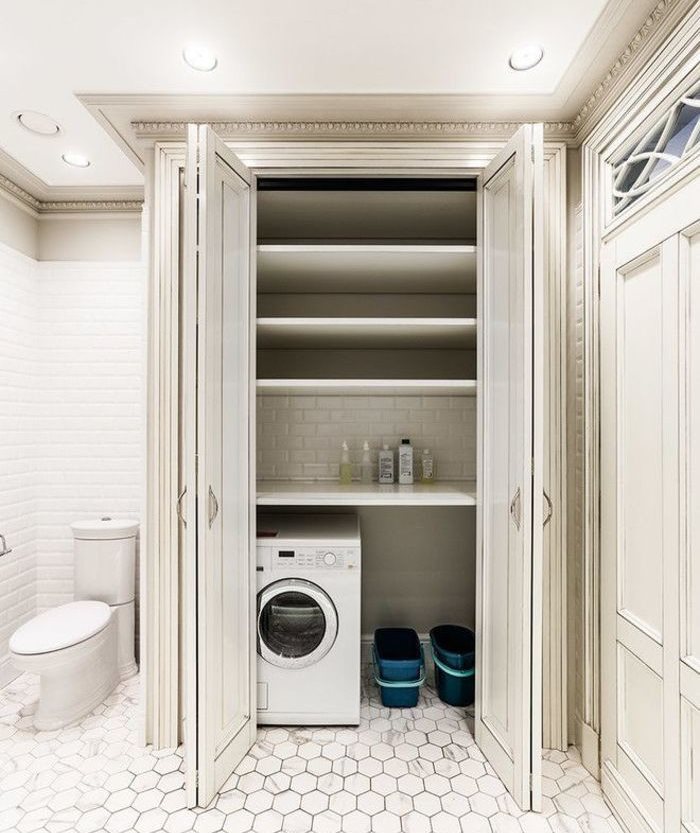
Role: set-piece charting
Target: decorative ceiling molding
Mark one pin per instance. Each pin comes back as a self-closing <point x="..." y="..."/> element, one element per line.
<point x="596" y="103"/>
<point x="95" y="206"/>
<point x="39" y="207"/>
<point x="11" y="189"/>
<point x="170" y="130"/>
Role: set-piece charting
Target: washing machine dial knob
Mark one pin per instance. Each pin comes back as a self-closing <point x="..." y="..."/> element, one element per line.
<point x="329" y="559"/>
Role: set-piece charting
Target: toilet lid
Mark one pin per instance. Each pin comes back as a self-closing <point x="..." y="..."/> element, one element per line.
<point x="60" y="627"/>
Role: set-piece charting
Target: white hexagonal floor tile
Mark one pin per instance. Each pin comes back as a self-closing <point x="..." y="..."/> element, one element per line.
<point x="400" y="771"/>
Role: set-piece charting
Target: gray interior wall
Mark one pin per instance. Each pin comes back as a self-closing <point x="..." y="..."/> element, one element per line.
<point x="418" y="566"/>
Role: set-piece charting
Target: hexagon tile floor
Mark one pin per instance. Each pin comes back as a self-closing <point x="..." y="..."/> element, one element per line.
<point x="410" y="771"/>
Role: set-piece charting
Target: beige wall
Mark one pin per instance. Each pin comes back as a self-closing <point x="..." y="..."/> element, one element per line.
<point x="19" y="229"/>
<point x="109" y="237"/>
<point x="113" y="237"/>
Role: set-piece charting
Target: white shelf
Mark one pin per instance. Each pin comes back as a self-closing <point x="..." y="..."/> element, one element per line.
<point x="321" y="493"/>
<point x="367" y="387"/>
<point x="366" y="333"/>
<point x="366" y="268"/>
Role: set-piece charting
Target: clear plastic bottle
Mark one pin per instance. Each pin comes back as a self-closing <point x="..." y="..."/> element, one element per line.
<point x="405" y="462"/>
<point x="366" y="469"/>
<point x="386" y="465"/>
<point x="345" y="465"/>
<point x="427" y="467"/>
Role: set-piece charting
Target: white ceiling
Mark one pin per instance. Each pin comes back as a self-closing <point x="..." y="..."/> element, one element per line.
<point x="53" y="51"/>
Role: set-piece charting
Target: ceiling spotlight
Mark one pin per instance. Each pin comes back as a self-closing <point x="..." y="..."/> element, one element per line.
<point x="37" y="123"/>
<point x="526" y="57"/>
<point x="77" y="160"/>
<point x="199" y="58"/>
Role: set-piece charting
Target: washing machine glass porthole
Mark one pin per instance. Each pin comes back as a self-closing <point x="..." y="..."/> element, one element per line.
<point x="297" y="624"/>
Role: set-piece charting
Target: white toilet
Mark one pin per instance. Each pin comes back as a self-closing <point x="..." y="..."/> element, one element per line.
<point x="82" y="649"/>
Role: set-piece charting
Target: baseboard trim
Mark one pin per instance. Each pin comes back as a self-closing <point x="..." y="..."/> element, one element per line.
<point x="620" y="799"/>
<point x="590" y="749"/>
<point x="8" y="672"/>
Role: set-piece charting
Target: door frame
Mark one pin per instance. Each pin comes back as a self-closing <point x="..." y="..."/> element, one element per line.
<point x="668" y="72"/>
<point x="161" y="581"/>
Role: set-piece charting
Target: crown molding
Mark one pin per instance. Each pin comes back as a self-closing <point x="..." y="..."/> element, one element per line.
<point x="155" y="131"/>
<point x="34" y="195"/>
<point x="18" y="195"/>
<point x="656" y="26"/>
<point x="39" y="208"/>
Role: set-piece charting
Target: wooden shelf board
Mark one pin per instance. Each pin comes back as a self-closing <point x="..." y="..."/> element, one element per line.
<point x="366" y="333"/>
<point x="367" y="387"/>
<point x="366" y="268"/>
<point x="322" y="493"/>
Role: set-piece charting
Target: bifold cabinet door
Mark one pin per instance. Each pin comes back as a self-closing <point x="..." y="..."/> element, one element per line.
<point x="219" y="578"/>
<point x="509" y="550"/>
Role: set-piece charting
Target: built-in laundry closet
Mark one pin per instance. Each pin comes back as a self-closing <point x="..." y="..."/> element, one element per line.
<point x="357" y="300"/>
<point x="366" y="331"/>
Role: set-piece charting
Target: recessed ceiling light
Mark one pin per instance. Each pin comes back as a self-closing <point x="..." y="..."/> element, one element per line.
<point x="199" y="58"/>
<point x="37" y="123"/>
<point x="77" y="160"/>
<point x="526" y="57"/>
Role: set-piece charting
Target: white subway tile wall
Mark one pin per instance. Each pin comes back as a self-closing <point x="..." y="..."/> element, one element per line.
<point x="19" y="367"/>
<point x="71" y="417"/>
<point x="299" y="437"/>
<point x="88" y="422"/>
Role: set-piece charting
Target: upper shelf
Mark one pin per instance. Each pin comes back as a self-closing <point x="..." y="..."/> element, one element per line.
<point x="366" y="268"/>
<point x="367" y="387"/>
<point x="367" y="333"/>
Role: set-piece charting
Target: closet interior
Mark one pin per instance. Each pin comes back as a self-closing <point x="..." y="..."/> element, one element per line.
<point x="367" y="332"/>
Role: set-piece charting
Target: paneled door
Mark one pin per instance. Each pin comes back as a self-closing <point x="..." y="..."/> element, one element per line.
<point x="509" y="548"/>
<point x="219" y="580"/>
<point x="650" y="516"/>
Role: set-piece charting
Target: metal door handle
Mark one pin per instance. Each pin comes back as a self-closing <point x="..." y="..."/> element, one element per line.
<point x="213" y="507"/>
<point x="550" y="508"/>
<point x="516" y="508"/>
<point x="179" y="511"/>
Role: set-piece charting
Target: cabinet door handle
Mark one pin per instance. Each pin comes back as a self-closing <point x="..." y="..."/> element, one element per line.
<point x="213" y="507"/>
<point x="179" y="511"/>
<point x="516" y="508"/>
<point x="550" y="508"/>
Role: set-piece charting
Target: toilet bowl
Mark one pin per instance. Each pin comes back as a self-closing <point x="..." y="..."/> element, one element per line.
<point x="73" y="649"/>
<point x="82" y="649"/>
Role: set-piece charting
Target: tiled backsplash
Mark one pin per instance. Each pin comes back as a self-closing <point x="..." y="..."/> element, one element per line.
<point x="300" y="437"/>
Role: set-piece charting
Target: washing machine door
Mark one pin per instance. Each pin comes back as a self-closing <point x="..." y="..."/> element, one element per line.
<point x="297" y="623"/>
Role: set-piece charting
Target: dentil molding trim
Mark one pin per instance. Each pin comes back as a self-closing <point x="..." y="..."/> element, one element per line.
<point x="581" y="124"/>
<point x="39" y="207"/>
<point x="168" y="130"/>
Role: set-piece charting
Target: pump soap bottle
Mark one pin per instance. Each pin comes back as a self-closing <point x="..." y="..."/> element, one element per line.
<point x="345" y="465"/>
<point x="366" y="468"/>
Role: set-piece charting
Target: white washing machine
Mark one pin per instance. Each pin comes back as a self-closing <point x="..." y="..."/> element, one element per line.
<point x="308" y="619"/>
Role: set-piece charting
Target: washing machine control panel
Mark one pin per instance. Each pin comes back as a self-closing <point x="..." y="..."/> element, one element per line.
<point x="324" y="558"/>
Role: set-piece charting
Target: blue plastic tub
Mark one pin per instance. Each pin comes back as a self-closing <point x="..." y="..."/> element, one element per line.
<point x="399" y="666"/>
<point x="453" y="654"/>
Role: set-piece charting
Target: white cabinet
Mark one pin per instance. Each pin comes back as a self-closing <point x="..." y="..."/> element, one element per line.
<point x="650" y="550"/>
<point x="412" y="326"/>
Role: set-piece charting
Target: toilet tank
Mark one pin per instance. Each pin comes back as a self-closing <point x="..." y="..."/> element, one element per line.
<point x="104" y="551"/>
